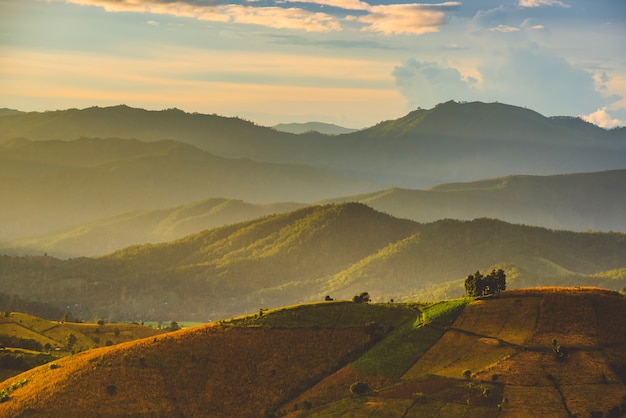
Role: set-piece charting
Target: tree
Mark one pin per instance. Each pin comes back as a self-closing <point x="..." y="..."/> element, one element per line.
<point x="362" y="298"/>
<point x="479" y="285"/>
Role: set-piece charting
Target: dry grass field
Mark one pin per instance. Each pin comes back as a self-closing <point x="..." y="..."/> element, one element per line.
<point x="505" y="343"/>
<point x="496" y="359"/>
<point x="206" y="371"/>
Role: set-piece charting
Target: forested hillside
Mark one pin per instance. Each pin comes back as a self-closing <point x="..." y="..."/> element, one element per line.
<point x="336" y="250"/>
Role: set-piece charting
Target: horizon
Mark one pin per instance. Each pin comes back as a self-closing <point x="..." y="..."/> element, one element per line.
<point x="298" y="123"/>
<point x="349" y="63"/>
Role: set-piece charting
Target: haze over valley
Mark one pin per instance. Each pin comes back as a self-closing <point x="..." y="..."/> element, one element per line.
<point x="241" y="216"/>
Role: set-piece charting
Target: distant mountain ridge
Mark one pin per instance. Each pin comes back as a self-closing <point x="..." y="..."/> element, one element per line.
<point x="304" y="255"/>
<point x="449" y="143"/>
<point x="576" y="202"/>
<point x="323" y="128"/>
<point x="54" y="185"/>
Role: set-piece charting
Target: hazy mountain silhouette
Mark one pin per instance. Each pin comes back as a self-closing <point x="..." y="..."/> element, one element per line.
<point x="337" y="250"/>
<point x="53" y="185"/>
<point x="451" y="142"/>
<point x="577" y="202"/>
<point x="323" y="128"/>
<point x="147" y="226"/>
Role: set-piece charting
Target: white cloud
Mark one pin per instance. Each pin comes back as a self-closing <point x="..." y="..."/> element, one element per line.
<point x="602" y="118"/>
<point x="274" y="17"/>
<point x="414" y="18"/>
<point x="525" y="76"/>
<point x="343" y="4"/>
<point x="426" y="84"/>
<point x="540" y="3"/>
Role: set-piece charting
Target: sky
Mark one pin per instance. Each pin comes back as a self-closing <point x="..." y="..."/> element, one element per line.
<point x="349" y="62"/>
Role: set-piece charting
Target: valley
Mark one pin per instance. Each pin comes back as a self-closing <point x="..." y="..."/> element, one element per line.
<point x="325" y="270"/>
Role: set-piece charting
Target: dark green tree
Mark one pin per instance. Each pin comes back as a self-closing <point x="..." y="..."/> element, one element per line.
<point x="491" y="284"/>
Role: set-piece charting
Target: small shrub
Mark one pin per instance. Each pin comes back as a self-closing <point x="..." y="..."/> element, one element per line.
<point x="4" y="396"/>
<point x="467" y="373"/>
<point x="53" y="366"/>
<point x="359" y="388"/>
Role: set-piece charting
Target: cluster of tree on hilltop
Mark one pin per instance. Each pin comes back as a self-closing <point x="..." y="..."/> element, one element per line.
<point x="479" y="285"/>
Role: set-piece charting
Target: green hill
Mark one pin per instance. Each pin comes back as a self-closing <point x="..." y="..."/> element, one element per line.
<point x="305" y="255"/>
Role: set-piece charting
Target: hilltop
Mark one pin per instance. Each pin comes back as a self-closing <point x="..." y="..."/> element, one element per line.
<point x="301" y="256"/>
<point x="553" y="352"/>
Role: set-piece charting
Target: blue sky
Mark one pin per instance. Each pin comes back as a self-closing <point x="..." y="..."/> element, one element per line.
<point x="349" y="62"/>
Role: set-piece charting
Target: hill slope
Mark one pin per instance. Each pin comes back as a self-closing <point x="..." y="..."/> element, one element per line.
<point x="206" y="371"/>
<point x="497" y="359"/>
<point x="270" y="368"/>
<point x="336" y="250"/>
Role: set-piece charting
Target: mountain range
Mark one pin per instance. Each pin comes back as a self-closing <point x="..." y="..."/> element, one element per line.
<point x="307" y="254"/>
<point x="451" y="142"/>
<point x="576" y="202"/>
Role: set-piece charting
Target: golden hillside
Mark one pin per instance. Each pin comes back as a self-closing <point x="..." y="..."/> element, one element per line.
<point x="214" y="370"/>
<point x="505" y="345"/>
<point x="549" y="352"/>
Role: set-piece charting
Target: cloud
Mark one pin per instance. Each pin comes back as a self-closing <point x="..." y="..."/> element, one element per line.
<point x="414" y="19"/>
<point x="540" y="3"/>
<point x="274" y="17"/>
<point x="426" y="84"/>
<point x="342" y="4"/>
<point x="525" y="76"/>
<point x="504" y="28"/>
<point x="602" y="118"/>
